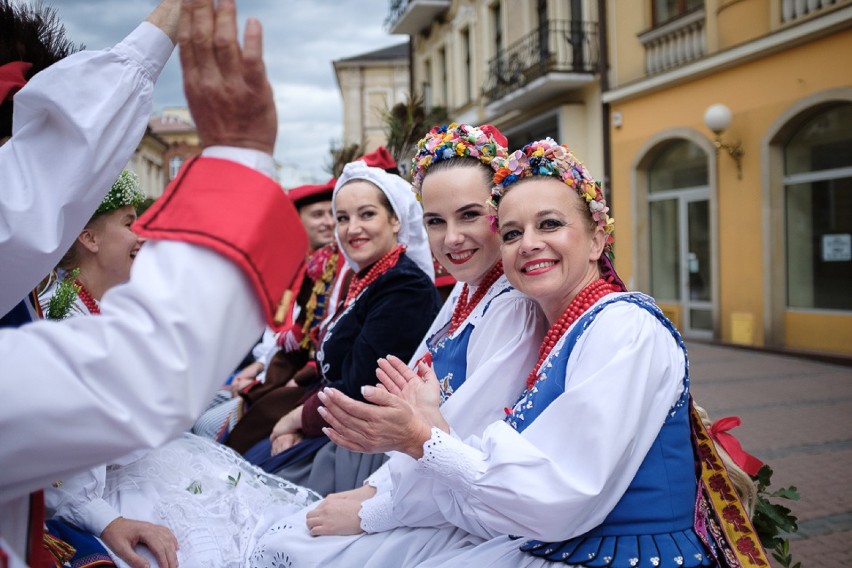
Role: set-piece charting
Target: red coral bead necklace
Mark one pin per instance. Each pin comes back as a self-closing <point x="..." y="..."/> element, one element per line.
<point x="465" y="307"/>
<point x="578" y="306"/>
<point x="87" y="298"/>
<point x="381" y="266"/>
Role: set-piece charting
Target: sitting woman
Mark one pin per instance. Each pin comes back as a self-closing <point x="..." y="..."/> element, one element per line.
<point x="593" y="463"/>
<point x="485" y="329"/>
<point x="191" y="501"/>
<point x="387" y="308"/>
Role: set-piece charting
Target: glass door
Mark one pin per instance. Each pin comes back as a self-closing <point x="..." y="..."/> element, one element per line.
<point x="681" y="260"/>
<point x="681" y="239"/>
<point x="697" y="280"/>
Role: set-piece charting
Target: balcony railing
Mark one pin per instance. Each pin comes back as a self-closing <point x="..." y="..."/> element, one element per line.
<point x="675" y="43"/>
<point x="795" y="9"/>
<point x="558" y="46"/>
<point x="412" y="16"/>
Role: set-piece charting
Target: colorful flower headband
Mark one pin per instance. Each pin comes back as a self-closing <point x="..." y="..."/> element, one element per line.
<point x="125" y="191"/>
<point x="485" y="143"/>
<point x="547" y="158"/>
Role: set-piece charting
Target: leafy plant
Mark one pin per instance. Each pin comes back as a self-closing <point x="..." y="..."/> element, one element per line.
<point x="194" y="487"/>
<point x="773" y="522"/>
<point x="406" y="123"/>
<point x="67" y="290"/>
<point x="342" y="155"/>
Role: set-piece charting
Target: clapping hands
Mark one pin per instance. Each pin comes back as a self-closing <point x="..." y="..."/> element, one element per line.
<point x="399" y="414"/>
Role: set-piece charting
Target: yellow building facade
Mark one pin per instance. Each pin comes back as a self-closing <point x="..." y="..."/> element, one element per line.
<point x="737" y="218"/>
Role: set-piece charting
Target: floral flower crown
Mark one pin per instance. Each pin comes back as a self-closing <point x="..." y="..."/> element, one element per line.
<point x="547" y="158"/>
<point x="485" y="143"/>
<point x="125" y="191"/>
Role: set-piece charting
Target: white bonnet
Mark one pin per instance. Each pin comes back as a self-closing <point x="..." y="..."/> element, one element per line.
<point x="412" y="234"/>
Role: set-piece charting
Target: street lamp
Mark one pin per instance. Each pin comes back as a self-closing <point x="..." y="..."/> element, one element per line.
<point x="717" y="118"/>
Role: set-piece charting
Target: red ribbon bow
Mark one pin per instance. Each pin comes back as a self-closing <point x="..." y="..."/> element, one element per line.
<point x="719" y="432"/>
<point x="12" y="78"/>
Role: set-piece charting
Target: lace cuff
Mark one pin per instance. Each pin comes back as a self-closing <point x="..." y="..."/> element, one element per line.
<point x="377" y="513"/>
<point x="448" y="458"/>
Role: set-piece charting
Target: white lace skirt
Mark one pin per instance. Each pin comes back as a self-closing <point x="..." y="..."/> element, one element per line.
<point x="213" y="500"/>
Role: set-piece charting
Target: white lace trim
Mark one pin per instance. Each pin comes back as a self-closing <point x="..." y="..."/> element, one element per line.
<point x="192" y="478"/>
<point x="449" y="458"/>
<point x="377" y="513"/>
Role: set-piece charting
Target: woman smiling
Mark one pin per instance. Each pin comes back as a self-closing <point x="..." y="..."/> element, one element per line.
<point x="593" y="463"/>
<point x="390" y="302"/>
<point x="485" y="337"/>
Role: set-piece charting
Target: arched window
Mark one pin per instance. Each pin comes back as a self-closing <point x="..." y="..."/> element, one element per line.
<point x="818" y="211"/>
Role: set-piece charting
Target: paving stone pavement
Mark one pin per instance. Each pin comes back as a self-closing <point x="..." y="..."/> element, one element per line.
<point x="797" y="417"/>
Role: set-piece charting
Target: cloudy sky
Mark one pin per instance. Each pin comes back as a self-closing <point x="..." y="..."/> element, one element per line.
<point x="301" y="39"/>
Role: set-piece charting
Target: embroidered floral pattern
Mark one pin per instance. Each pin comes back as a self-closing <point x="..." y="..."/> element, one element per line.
<point x="727" y="523"/>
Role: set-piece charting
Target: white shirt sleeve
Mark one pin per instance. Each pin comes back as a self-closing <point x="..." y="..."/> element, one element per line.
<point x="563" y="475"/>
<point x="133" y="377"/>
<point x="265" y="350"/>
<point x="79" y="500"/>
<point x="75" y="126"/>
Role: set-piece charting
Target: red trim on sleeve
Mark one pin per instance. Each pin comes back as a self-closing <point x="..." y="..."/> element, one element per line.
<point x="239" y="213"/>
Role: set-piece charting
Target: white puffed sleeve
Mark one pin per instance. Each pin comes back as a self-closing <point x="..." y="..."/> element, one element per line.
<point x="569" y="468"/>
<point x="75" y="125"/>
<point x="136" y="375"/>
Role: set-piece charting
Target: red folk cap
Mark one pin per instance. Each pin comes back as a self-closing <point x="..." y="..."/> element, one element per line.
<point x="311" y="193"/>
<point x="379" y="158"/>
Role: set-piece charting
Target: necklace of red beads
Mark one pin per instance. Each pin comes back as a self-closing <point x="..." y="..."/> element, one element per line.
<point x="578" y="306"/>
<point x="87" y="298"/>
<point x="464" y="307"/>
<point x="381" y="266"/>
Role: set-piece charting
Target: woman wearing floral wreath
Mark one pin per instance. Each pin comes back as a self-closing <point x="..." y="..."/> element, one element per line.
<point x="190" y="501"/>
<point x="102" y="253"/>
<point x="387" y="308"/>
<point x="486" y="329"/>
<point x="593" y="464"/>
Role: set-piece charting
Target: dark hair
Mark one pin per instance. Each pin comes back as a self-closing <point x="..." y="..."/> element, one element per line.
<point x="460" y="162"/>
<point x="311" y="199"/>
<point x="32" y="34"/>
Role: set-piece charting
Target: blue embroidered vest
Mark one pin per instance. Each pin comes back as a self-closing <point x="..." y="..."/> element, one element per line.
<point x="652" y="524"/>
<point x="449" y="354"/>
